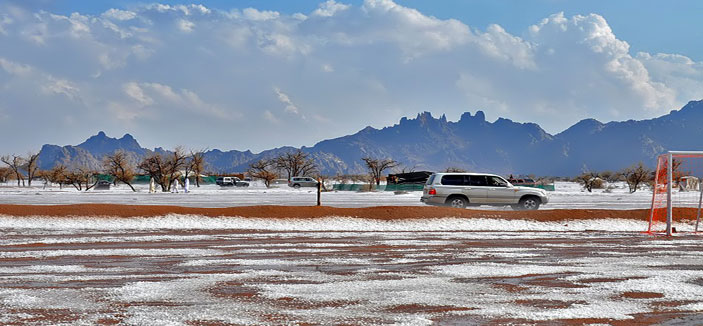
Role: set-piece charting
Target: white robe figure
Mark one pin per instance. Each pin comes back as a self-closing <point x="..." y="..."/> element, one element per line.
<point x="152" y="185"/>
<point x="174" y="186"/>
<point x="186" y="186"/>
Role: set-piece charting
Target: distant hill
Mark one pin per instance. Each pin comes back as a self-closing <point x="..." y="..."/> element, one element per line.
<point x="472" y="143"/>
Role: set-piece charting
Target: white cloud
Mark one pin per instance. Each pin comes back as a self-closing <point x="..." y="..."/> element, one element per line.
<point x="185" y="25"/>
<point x="681" y="74"/>
<point x="166" y="98"/>
<point x="5" y="20"/>
<point x="256" y="15"/>
<point x="290" y="107"/>
<point x="61" y="87"/>
<point x="329" y="8"/>
<point x="345" y="65"/>
<point x="48" y="84"/>
<point x="133" y="90"/>
<point x="271" y="117"/>
<point x="15" y="68"/>
<point x="118" y="14"/>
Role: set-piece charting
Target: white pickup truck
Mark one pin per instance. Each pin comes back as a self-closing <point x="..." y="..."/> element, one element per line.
<point x="231" y="181"/>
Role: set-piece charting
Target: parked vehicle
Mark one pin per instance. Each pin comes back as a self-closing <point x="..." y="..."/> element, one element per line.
<point x="231" y="181"/>
<point x="419" y="177"/>
<point x="475" y="189"/>
<point x="102" y="185"/>
<point x="522" y="182"/>
<point x="297" y="182"/>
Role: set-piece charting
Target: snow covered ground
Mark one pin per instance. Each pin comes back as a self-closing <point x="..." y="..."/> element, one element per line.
<point x="195" y="270"/>
<point x="567" y="195"/>
<point x="190" y="270"/>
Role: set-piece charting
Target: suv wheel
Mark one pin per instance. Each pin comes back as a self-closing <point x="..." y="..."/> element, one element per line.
<point x="529" y="203"/>
<point x="296" y="186"/>
<point x="457" y="202"/>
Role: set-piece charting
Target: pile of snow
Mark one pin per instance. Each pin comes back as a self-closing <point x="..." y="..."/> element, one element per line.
<point x="188" y="222"/>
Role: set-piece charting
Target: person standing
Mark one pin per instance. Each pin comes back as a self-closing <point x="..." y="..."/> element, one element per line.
<point x="152" y="185"/>
<point x="186" y="185"/>
<point x="174" y="186"/>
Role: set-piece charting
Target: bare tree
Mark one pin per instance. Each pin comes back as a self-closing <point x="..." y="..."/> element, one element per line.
<point x="377" y="166"/>
<point x="197" y="165"/>
<point x="295" y="164"/>
<point x="4" y="174"/>
<point x="589" y="180"/>
<point x="119" y="167"/>
<point x="15" y="164"/>
<point x="636" y="175"/>
<point x="31" y="167"/>
<point x="154" y="166"/>
<point x="80" y="176"/>
<point x="611" y="176"/>
<point x="57" y="174"/>
<point x="164" y="169"/>
<point x="264" y="170"/>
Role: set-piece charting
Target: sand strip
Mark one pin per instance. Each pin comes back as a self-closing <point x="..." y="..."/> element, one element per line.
<point x="306" y="212"/>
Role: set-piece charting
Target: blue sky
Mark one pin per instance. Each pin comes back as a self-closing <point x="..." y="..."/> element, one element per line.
<point x="262" y="74"/>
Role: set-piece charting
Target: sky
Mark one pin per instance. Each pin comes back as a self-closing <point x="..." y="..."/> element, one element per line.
<point x="262" y="74"/>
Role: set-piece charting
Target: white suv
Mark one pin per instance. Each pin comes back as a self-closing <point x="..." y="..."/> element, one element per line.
<point x="475" y="189"/>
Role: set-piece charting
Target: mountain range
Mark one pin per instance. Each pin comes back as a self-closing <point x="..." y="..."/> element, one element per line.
<point x="471" y="143"/>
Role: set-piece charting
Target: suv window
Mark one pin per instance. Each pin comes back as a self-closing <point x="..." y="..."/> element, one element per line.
<point x="496" y="182"/>
<point x="430" y="180"/>
<point x="453" y="180"/>
<point x="477" y="180"/>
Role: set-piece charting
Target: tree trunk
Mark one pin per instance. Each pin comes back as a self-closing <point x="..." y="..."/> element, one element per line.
<point x="90" y="187"/>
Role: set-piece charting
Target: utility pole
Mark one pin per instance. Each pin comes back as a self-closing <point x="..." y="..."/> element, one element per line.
<point x="319" y="191"/>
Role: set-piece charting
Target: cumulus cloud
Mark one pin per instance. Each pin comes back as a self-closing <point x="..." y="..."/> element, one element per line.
<point x="329" y="8"/>
<point x="348" y="66"/>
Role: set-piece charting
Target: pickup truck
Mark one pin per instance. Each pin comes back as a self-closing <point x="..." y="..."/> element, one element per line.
<point x="230" y="182"/>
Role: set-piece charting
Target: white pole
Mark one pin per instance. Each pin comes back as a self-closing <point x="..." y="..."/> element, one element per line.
<point x="700" y="200"/>
<point x="669" y="179"/>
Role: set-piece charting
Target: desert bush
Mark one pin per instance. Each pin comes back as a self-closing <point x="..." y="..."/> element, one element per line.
<point x="590" y="181"/>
